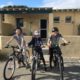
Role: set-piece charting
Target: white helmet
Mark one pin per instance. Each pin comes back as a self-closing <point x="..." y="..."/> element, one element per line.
<point x="36" y="33"/>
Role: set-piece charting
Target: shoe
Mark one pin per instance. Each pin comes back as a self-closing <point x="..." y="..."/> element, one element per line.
<point x="28" y="66"/>
<point x="51" y="67"/>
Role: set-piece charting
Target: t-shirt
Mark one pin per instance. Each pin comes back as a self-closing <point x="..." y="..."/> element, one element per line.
<point x="55" y="39"/>
<point x="35" y="42"/>
<point x="18" y="38"/>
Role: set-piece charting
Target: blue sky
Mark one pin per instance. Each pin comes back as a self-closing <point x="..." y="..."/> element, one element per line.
<point x="31" y="3"/>
<point x="43" y="3"/>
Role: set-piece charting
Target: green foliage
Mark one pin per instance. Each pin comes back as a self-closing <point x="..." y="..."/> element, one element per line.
<point x="15" y="6"/>
<point x="3" y="56"/>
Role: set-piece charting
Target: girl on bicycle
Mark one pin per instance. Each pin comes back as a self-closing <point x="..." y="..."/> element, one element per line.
<point x="53" y="44"/>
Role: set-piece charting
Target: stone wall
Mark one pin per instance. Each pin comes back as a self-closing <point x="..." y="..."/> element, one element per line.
<point x="70" y="51"/>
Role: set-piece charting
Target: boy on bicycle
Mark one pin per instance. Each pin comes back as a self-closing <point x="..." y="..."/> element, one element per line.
<point x="36" y="42"/>
<point x="53" y="44"/>
<point x="18" y="36"/>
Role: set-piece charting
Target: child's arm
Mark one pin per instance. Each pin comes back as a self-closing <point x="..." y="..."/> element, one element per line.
<point x="10" y="40"/>
<point x="23" y="42"/>
<point x="65" y="41"/>
<point x="41" y="42"/>
<point x="49" y="42"/>
<point x="31" y="42"/>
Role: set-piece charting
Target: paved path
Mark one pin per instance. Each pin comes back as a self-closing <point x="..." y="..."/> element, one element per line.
<point x="72" y="72"/>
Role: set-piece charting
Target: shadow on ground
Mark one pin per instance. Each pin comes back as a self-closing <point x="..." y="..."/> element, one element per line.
<point x="70" y="73"/>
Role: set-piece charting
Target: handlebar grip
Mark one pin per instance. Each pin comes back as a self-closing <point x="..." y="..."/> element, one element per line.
<point x="63" y="44"/>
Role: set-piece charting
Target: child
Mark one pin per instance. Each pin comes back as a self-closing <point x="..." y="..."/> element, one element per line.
<point x="36" y="42"/>
<point x="18" y="36"/>
<point x="53" y="43"/>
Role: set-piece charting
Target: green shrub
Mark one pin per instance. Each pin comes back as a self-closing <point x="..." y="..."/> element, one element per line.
<point x="3" y="56"/>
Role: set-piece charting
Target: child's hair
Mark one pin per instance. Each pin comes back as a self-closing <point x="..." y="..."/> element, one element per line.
<point x="55" y="29"/>
<point x="19" y="29"/>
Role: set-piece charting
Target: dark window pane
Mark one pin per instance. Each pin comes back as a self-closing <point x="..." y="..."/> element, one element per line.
<point x="56" y="19"/>
<point x="43" y="24"/>
<point x="68" y="19"/>
<point x="43" y="33"/>
<point x="19" y="22"/>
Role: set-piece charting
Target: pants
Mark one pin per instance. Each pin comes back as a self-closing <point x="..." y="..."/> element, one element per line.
<point x="51" y="53"/>
<point x="40" y="52"/>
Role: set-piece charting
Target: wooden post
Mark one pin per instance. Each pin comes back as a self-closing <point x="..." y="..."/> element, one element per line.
<point x="50" y="23"/>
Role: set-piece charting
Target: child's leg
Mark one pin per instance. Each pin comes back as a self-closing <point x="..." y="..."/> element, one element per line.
<point x="51" y="56"/>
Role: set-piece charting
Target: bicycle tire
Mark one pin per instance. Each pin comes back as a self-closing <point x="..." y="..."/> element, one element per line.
<point x="33" y="74"/>
<point x="6" y="65"/>
<point x="60" y="68"/>
<point x="26" y="59"/>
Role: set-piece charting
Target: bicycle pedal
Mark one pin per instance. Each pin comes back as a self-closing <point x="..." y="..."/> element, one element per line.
<point x="9" y="68"/>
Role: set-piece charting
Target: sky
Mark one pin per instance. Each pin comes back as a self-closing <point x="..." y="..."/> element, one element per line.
<point x="56" y="4"/>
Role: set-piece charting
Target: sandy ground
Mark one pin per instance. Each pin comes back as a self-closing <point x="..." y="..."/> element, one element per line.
<point x="71" y="72"/>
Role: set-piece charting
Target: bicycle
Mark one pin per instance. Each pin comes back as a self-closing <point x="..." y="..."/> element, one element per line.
<point x="58" y="61"/>
<point x="35" y="63"/>
<point x="10" y="65"/>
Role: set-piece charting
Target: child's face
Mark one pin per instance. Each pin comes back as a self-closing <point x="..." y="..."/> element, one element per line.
<point x="54" y="33"/>
<point x="36" y="36"/>
<point x="18" y="31"/>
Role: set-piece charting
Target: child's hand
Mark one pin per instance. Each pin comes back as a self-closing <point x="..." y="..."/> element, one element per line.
<point x="43" y="46"/>
<point x="49" y="45"/>
<point x="6" y="46"/>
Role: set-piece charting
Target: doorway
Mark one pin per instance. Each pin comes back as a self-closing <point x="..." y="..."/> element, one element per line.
<point x="43" y="29"/>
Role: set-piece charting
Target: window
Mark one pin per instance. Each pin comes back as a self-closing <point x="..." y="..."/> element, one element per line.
<point x="68" y="19"/>
<point x="3" y="17"/>
<point x="19" y="22"/>
<point x="56" y="19"/>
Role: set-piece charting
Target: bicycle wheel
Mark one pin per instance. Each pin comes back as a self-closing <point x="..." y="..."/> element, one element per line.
<point x="9" y="69"/>
<point x="60" y="68"/>
<point x="62" y="63"/>
<point x="26" y="59"/>
<point x="55" y="61"/>
<point x="34" y="65"/>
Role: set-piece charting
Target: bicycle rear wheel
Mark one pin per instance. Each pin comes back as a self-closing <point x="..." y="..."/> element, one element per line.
<point x="9" y="69"/>
<point x="34" y="65"/>
<point x="60" y="60"/>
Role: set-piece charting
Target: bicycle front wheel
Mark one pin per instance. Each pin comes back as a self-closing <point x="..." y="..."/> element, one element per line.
<point x="61" y="68"/>
<point x="34" y="65"/>
<point x="9" y="69"/>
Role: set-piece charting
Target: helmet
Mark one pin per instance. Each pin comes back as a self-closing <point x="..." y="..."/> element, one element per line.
<point x="36" y="33"/>
<point x="55" y="29"/>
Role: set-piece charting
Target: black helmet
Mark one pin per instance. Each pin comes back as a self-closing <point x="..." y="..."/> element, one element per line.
<point x="55" y="29"/>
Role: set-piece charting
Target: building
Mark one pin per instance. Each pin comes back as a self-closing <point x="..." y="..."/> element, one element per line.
<point x="29" y="19"/>
<point x="43" y="19"/>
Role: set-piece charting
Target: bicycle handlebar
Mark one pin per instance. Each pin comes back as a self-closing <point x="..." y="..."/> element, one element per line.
<point x="10" y="46"/>
<point x="64" y="44"/>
